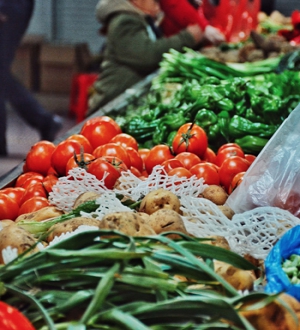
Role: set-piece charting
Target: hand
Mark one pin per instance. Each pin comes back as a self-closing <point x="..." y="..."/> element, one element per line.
<point x="196" y="32"/>
<point x="214" y="35"/>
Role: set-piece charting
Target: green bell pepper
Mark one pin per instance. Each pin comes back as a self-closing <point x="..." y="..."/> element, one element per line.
<point x="251" y="144"/>
<point x="140" y="128"/>
<point x="240" y="126"/>
<point x="205" y="118"/>
<point x="213" y="133"/>
<point x="170" y="138"/>
<point x="223" y="121"/>
<point x="224" y="104"/>
<point x="241" y="107"/>
<point x="155" y="113"/>
<point x="174" y="120"/>
<point x="160" y="134"/>
<point x="252" y="116"/>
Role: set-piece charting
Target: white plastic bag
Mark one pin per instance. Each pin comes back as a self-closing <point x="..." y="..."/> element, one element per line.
<point x="274" y="177"/>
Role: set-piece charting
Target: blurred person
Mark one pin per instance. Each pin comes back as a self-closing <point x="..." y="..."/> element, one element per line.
<point x="134" y="45"/>
<point x="14" y="20"/>
<point x="178" y="14"/>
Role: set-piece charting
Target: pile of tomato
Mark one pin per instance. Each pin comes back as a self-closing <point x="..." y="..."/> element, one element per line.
<point x="102" y="149"/>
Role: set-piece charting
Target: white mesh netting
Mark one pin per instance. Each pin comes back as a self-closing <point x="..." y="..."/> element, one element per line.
<point x="253" y="232"/>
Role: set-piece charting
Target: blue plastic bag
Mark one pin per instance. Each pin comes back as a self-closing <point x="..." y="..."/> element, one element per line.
<point x="277" y="280"/>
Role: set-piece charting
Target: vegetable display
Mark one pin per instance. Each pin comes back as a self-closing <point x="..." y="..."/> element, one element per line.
<point x="247" y="111"/>
<point x="125" y="225"/>
<point x="125" y="282"/>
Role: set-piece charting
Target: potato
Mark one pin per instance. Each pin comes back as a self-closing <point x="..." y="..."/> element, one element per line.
<point x="167" y="220"/>
<point x="45" y="213"/>
<point x="70" y="226"/>
<point x="275" y="315"/>
<point x="240" y="279"/>
<point x="6" y="222"/>
<point x="16" y="237"/>
<point x="144" y="215"/>
<point x="215" y="194"/>
<point x="227" y="211"/>
<point x="85" y="197"/>
<point x="160" y="199"/>
<point x="129" y="223"/>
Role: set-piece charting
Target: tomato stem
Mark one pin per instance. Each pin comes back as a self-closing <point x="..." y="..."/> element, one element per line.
<point x="81" y="162"/>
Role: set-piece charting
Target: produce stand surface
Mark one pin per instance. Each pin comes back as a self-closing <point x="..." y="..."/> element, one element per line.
<point x="115" y="106"/>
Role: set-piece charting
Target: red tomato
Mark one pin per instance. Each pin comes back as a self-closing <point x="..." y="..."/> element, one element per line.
<point x="49" y="181"/>
<point x="135" y="158"/>
<point x="38" y="159"/>
<point x="25" y="169"/>
<point x="229" y="145"/>
<point x="114" y="150"/>
<point x="209" y="156"/>
<point x="11" y="318"/>
<point x="228" y="152"/>
<point x="144" y="152"/>
<point x="181" y="172"/>
<point x="33" y="204"/>
<point x="105" y="119"/>
<point x="98" y="132"/>
<point x="135" y="171"/>
<point x="125" y="140"/>
<point x="192" y="138"/>
<point x="9" y="208"/>
<point x="31" y="182"/>
<point x="170" y="164"/>
<point x="24" y="176"/>
<point x="207" y="171"/>
<point x="188" y="159"/>
<point x="250" y="158"/>
<point x="52" y="171"/>
<point x="157" y="155"/>
<point x="237" y="179"/>
<point x="62" y="153"/>
<point x="230" y="167"/>
<point x="99" y="167"/>
<point x="32" y="190"/>
<point x="16" y="193"/>
<point x="116" y="163"/>
<point x="84" y="142"/>
<point x="83" y="161"/>
<point x="144" y="174"/>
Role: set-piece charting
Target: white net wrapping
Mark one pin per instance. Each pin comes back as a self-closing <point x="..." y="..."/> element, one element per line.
<point x="108" y="203"/>
<point x="68" y="188"/>
<point x="256" y="231"/>
<point x="253" y="232"/>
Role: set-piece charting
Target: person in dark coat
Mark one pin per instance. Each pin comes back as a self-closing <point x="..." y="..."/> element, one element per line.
<point x="134" y="47"/>
<point x="15" y="16"/>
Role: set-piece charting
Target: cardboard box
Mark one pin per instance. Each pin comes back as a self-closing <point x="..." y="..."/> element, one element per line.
<point x="26" y="64"/>
<point x="59" y="63"/>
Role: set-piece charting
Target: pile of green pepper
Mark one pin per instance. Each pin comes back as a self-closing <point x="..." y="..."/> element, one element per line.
<point x="247" y="111"/>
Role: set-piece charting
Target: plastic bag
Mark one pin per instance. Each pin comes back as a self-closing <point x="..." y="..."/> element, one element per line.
<point x="235" y="18"/>
<point x="277" y="280"/>
<point x="274" y="177"/>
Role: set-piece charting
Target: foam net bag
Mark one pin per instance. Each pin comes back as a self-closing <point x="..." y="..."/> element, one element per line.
<point x="253" y="232"/>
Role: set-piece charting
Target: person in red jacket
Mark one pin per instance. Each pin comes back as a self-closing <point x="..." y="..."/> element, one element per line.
<point x="178" y="14"/>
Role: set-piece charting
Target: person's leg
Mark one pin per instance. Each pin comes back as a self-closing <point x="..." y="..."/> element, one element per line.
<point x="19" y="14"/>
<point x="3" y="120"/>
